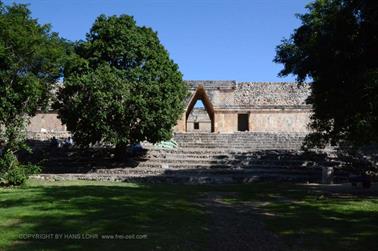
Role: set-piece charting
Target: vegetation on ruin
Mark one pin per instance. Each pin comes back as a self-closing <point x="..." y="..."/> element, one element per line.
<point x="31" y="61"/>
<point x="336" y="49"/>
<point x="306" y="217"/>
<point x="121" y="87"/>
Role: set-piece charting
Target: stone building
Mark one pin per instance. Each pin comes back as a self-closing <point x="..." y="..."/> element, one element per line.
<point x="254" y="107"/>
<point x="198" y="121"/>
<point x="229" y="107"/>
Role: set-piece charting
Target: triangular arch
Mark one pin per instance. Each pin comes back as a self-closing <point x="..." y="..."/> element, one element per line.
<point x="200" y="94"/>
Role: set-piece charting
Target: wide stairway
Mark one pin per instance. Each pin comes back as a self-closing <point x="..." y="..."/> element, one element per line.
<point x="202" y="158"/>
<point x="241" y="141"/>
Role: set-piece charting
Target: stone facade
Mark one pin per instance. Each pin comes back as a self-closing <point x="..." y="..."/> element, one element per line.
<point x="198" y="121"/>
<point x="44" y="126"/>
<point x="264" y="107"/>
<point x="46" y="122"/>
<point x="269" y="107"/>
<point x="269" y="95"/>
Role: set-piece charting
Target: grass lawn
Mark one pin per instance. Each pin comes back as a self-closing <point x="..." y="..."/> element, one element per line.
<point x="317" y="217"/>
<point x="170" y="217"/>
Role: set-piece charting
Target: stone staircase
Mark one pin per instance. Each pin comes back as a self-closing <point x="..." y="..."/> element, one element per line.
<point x="251" y="141"/>
<point x="202" y="158"/>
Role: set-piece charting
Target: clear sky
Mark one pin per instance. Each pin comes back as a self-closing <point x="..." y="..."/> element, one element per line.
<point x="208" y="39"/>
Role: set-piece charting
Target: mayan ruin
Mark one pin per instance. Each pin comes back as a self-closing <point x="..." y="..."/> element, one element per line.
<point x="229" y="107"/>
<point x="197" y="125"/>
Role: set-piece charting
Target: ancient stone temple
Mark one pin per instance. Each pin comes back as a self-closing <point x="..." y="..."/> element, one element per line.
<point x="254" y="107"/>
<point x="245" y="132"/>
<point x="229" y="107"/>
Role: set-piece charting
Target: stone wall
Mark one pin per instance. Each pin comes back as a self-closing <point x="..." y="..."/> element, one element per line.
<point x="225" y="122"/>
<point x="264" y="121"/>
<point x="181" y="124"/>
<point x="202" y="127"/>
<point x="200" y="116"/>
<point x="42" y="136"/>
<point x="220" y="93"/>
<point x="46" y="122"/>
<point x="279" y="121"/>
<point x="48" y="125"/>
<point x="44" y="126"/>
<point x="233" y="95"/>
<point x="272" y="107"/>
<point x="271" y="94"/>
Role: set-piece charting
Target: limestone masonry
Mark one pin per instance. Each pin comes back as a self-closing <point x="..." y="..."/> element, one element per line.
<point x="254" y="107"/>
<point x="229" y="107"/>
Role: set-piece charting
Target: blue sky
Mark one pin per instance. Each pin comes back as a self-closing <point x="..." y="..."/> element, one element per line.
<point x="208" y="39"/>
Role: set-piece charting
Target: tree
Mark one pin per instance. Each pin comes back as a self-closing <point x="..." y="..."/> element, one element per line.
<point x="336" y="47"/>
<point x="122" y="87"/>
<point x="31" y="61"/>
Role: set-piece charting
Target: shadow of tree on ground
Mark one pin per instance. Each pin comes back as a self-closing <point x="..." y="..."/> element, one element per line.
<point x="163" y="219"/>
<point x="318" y="217"/>
<point x="173" y="218"/>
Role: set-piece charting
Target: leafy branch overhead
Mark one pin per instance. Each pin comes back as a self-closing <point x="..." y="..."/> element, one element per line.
<point x="31" y="62"/>
<point x="336" y="48"/>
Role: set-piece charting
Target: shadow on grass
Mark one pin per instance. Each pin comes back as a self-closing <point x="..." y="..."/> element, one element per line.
<point x="319" y="218"/>
<point x="85" y="216"/>
<point x="309" y="217"/>
<point x="170" y="217"/>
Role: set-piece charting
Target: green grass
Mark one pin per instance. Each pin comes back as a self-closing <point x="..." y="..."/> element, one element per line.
<point x="170" y="217"/>
<point x="317" y="218"/>
<point x="167" y="215"/>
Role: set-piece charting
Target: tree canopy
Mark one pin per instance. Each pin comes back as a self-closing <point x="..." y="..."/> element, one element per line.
<point x="121" y="87"/>
<point x="336" y="48"/>
<point x="31" y="61"/>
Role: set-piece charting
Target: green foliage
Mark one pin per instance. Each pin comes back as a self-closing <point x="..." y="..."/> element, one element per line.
<point x="121" y="87"/>
<point x="31" y="60"/>
<point x="12" y="172"/>
<point x="336" y="47"/>
<point x="7" y="161"/>
<point x="15" y="176"/>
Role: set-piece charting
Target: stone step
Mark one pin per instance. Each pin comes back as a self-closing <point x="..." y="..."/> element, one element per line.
<point x="240" y="141"/>
<point x="184" y="156"/>
<point x="159" y="171"/>
<point x="250" y="140"/>
<point x="238" y="161"/>
<point x="258" y="154"/>
<point x="245" y="146"/>
<point x="238" y="134"/>
<point x="68" y="168"/>
<point x="193" y="178"/>
<point x="63" y="167"/>
<point x="215" y="166"/>
<point x="170" y="158"/>
<point x="220" y="151"/>
<point x="231" y="139"/>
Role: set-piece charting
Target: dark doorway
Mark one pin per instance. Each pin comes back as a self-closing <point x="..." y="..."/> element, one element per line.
<point x="196" y="126"/>
<point x="243" y="122"/>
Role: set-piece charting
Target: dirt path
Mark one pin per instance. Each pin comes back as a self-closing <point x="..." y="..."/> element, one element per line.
<point x="237" y="227"/>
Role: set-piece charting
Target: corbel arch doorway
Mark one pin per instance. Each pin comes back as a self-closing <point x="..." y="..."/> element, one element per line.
<point x="200" y="94"/>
